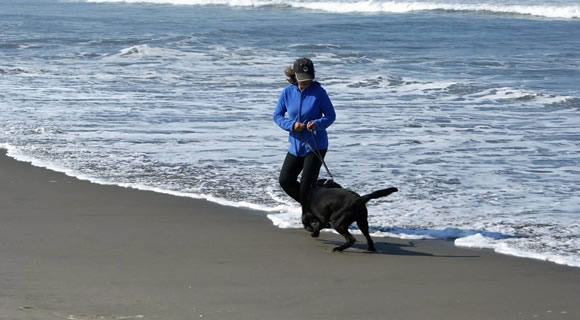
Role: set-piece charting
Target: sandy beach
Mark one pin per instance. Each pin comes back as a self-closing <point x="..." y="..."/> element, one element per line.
<point x="71" y="249"/>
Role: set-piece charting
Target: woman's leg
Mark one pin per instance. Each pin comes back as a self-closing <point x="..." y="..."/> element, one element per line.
<point x="310" y="172"/>
<point x="289" y="176"/>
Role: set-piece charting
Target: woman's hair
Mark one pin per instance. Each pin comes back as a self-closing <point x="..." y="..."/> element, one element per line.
<point x="290" y="75"/>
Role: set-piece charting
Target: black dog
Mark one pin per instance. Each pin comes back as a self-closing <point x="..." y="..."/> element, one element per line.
<point x="328" y="203"/>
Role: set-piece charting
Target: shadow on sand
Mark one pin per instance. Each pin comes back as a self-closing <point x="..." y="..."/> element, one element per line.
<point x="398" y="249"/>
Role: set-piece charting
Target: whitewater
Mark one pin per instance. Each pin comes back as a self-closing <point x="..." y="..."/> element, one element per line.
<point x="550" y="9"/>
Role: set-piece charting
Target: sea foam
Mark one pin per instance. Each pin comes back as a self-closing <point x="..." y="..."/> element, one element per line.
<point x="504" y="247"/>
<point x="370" y="6"/>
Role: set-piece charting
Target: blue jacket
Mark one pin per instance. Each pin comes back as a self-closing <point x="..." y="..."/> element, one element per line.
<point x="312" y="104"/>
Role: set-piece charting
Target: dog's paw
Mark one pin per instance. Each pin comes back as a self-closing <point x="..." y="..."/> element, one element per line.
<point x="372" y="249"/>
<point x="337" y="249"/>
<point x="315" y="234"/>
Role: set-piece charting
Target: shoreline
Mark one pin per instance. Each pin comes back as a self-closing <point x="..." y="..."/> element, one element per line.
<point x="72" y="249"/>
<point x="461" y="238"/>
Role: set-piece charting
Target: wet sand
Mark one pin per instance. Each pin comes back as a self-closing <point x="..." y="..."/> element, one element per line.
<point x="71" y="249"/>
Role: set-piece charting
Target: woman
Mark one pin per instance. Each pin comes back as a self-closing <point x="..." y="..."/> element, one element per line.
<point x="309" y="109"/>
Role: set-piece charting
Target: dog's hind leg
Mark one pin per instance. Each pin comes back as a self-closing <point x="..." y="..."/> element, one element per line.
<point x="350" y="240"/>
<point x="363" y="225"/>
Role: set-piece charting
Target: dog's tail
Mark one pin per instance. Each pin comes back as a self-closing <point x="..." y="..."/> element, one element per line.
<point x="377" y="194"/>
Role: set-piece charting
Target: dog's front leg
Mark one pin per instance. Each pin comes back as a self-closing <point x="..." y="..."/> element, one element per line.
<point x="350" y="240"/>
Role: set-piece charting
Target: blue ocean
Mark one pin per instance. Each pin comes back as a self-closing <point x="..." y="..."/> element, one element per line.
<point x="470" y="108"/>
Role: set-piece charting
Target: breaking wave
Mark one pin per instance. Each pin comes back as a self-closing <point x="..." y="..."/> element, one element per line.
<point x="371" y="6"/>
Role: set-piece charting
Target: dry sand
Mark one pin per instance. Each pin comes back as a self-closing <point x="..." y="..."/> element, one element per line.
<point x="70" y="249"/>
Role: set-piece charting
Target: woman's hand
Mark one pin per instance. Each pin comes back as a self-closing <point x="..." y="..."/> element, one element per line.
<point x="311" y="126"/>
<point x="298" y="126"/>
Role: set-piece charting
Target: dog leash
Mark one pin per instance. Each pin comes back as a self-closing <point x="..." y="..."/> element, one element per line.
<point x="316" y="152"/>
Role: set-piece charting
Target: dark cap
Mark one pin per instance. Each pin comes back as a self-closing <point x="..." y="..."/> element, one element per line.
<point x="304" y="69"/>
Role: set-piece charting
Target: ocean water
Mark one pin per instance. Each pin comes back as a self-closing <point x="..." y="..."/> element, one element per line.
<point x="470" y="108"/>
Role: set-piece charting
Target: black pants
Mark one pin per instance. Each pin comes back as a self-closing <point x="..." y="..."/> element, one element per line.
<point x="309" y="165"/>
